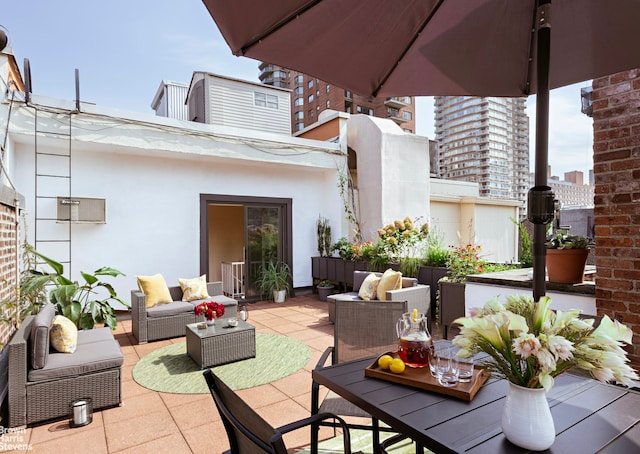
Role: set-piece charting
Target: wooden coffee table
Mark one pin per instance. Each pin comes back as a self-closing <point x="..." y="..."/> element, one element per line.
<point x="221" y="343"/>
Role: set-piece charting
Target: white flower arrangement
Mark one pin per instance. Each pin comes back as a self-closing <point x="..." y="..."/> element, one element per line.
<point x="529" y="344"/>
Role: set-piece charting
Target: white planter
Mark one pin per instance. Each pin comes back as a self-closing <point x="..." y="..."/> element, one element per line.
<point x="526" y="418"/>
<point x="279" y="296"/>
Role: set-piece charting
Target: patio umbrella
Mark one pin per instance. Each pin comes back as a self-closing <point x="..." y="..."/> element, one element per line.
<point x="445" y="47"/>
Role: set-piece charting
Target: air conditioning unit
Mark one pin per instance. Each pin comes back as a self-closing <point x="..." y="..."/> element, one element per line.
<point x="82" y="210"/>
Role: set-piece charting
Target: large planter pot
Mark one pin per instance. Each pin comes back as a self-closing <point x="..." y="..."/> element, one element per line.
<point x="451" y="303"/>
<point x="279" y="296"/>
<point x="526" y="418"/>
<point x="323" y="292"/>
<point x="566" y="266"/>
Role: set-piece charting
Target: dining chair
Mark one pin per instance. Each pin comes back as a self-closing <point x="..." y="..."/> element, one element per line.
<point x="361" y="329"/>
<point x="248" y="432"/>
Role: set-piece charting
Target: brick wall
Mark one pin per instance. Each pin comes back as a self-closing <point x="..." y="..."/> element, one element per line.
<point x="8" y="263"/>
<point x="616" y="156"/>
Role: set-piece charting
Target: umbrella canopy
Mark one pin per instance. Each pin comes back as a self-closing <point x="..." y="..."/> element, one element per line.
<point x="444" y="47"/>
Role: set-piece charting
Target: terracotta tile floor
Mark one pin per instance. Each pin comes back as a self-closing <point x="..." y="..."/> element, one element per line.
<point x="154" y="422"/>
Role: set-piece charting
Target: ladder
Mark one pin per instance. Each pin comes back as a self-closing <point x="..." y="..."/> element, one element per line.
<point x="52" y="237"/>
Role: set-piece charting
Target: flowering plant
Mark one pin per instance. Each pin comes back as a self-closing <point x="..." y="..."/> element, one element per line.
<point x="210" y="310"/>
<point x="529" y="344"/>
<point x="403" y="239"/>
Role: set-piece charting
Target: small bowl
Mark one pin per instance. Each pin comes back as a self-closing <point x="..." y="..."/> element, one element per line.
<point x="233" y="322"/>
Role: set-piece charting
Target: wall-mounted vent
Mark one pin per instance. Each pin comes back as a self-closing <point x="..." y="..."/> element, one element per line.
<point x="82" y="209"/>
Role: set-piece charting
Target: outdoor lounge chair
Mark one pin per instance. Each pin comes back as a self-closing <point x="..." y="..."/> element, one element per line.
<point x="362" y="328"/>
<point x="248" y="432"/>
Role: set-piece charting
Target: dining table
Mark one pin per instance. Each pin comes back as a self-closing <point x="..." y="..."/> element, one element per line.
<point x="589" y="416"/>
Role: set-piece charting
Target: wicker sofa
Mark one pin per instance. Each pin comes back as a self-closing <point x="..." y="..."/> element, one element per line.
<point x="416" y="295"/>
<point x="43" y="383"/>
<point x="165" y="321"/>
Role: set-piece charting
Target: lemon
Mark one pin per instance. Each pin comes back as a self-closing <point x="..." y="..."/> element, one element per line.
<point x="396" y="366"/>
<point x="384" y="361"/>
<point x="415" y="315"/>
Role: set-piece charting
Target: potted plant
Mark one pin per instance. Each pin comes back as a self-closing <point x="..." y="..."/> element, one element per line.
<point x="566" y="257"/>
<point x="324" y="289"/>
<point x="78" y="302"/>
<point x="273" y="280"/>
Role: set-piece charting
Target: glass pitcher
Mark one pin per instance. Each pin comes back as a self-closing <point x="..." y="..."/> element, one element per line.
<point x="414" y="339"/>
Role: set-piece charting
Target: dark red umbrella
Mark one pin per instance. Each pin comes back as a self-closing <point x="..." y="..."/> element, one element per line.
<point x="445" y="47"/>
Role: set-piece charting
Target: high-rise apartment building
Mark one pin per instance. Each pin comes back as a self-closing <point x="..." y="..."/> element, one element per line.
<point x="310" y="96"/>
<point x="484" y="140"/>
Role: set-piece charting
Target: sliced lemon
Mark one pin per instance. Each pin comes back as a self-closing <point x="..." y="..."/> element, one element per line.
<point x="396" y="366"/>
<point x="384" y="361"/>
<point x="415" y="315"/>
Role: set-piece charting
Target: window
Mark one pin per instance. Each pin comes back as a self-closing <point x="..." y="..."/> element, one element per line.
<point x="299" y="115"/>
<point x="310" y="98"/>
<point x="299" y="79"/>
<point x="298" y="91"/>
<point x="364" y="110"/>
<point x="299" y="126"/>
<point x="265" y="100"/>
<point x="298" y="102"/>
<point x="312" y="114"/>
<point x="328" y="104"/>
<point x="406" y="115"/>
<point x="310" y="84"/>
<point x="328" y="88"/>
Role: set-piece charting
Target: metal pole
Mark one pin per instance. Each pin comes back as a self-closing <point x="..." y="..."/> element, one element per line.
<point x="542" y="141"/>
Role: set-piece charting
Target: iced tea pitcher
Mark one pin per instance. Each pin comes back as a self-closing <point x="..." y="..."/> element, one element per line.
<point x="414" y="339"/>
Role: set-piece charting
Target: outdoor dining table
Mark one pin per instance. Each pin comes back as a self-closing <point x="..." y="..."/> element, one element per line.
<point x="589" y="416"/>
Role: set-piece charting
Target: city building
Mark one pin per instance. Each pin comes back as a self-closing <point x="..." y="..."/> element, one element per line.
<point x="484" y="140"/>
<point x="310" y="96"/>
<point x="570" y="192"/>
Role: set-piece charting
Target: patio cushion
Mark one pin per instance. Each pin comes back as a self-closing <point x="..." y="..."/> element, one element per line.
<point x="63" y="334"/>
<point x="155" y="289"/>
<point x="390" y="280"/>
<point x="88" y="357"/>
<point x="194" y="289"/>
<point x="40" y="336"/>
<point x="172" y="308"/>
<point x="369" y="286"/>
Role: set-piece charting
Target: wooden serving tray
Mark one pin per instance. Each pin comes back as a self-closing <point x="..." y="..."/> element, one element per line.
<point x="421" y="378"/>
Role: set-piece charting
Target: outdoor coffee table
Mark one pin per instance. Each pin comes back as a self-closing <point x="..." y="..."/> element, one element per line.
<point x="221" y="343"/>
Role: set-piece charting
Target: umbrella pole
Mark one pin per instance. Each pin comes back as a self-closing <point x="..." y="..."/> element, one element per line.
<point x="542" y="147"/>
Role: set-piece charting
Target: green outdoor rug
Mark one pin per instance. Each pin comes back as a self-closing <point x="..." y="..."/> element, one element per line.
<point x="170" y="370"/>
<point x="361" y="442"/>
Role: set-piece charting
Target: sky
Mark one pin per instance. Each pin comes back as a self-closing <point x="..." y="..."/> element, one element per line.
<point x="124" y="49"/>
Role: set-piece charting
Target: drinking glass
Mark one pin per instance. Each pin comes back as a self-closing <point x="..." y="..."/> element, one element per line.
<point x="435" y="351"/>
<point x="465" y="368"/>
<point x="447" y="368"/>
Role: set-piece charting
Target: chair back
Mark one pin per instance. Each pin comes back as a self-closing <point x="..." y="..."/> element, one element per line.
<point x="246" y="430"/>
<point x="365" y="328"/>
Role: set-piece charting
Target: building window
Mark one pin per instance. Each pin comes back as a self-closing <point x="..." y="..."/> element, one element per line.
<point x="310" y="99"/>
<point x="298" y="102"/>
<point x="406" y="115"/>
<point x="298" y="90"/>
<point x="364" y="110"/>
<point x="299" y="79"/>
<point x="328" y="88"/>
<point x="265" y="100"/>
<point x="328" y="104"/>
<point x="299" y="126"/>
<point x="312" y="114"/>
<point x="299" y="115"/>
<point x="310" y="84"/>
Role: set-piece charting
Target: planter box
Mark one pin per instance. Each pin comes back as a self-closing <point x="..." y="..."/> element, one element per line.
<point x="451" y="303"/>
<point x="430" y="275"/>
<point x="336" y="270"/>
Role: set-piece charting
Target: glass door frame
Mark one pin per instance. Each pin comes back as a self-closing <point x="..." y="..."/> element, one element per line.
<point x="286" y="209"/>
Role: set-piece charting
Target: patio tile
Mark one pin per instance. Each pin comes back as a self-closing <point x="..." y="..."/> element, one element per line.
<point x="133" y="432"/>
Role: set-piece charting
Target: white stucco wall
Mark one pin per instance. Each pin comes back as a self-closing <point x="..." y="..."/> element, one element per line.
<point x="393" y="172"/>
<point x="152" y="171"/>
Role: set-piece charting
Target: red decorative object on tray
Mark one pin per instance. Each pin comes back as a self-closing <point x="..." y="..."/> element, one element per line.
<point x="211" y="310"/>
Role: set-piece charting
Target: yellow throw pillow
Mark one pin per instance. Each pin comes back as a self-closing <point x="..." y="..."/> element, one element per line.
<point x="63" y="334"/>
<point x="390" y="280"/>
<point x="194" y="289"/>
<point x="155" y="289"/>
<point x="369" y="286"/>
